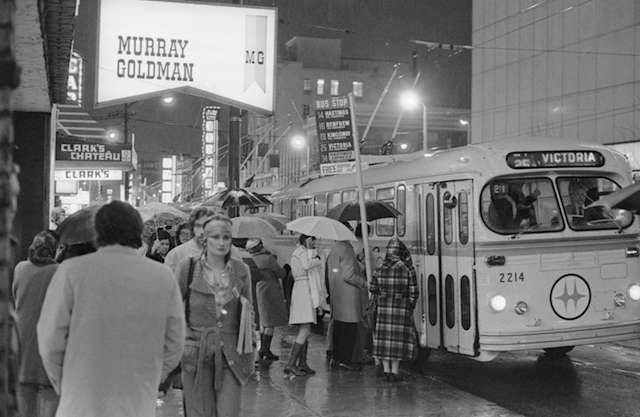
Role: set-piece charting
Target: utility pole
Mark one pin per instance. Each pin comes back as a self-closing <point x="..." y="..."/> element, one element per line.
<point x="126" y="140"/>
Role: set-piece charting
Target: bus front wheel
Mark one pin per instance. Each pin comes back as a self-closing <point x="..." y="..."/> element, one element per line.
<point x="558" y="352"/>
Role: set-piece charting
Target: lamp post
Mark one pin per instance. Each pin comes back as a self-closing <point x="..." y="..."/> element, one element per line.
<point x="299" y="142"/>
<point x="410" y="100"/>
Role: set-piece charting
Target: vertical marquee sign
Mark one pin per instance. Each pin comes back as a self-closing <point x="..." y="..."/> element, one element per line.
<point x="209" y="149"/>
<point x="335" y="136"/>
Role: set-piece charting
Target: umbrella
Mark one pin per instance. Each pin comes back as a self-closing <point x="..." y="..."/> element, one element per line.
<point x="279" y="221"/>
<point x="234" y="197"/>
<point x="321" y="227"/>
<point x="78" y="227"/>
<point x="627" y="198"/>
<point x="250" y="227"/>
<point x="350" y="210"/>
<point x="160" y="211"/>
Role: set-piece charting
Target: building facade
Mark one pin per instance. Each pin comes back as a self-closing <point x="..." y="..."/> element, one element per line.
<point x="314" y="69"/>
<point x="556" y="68"/>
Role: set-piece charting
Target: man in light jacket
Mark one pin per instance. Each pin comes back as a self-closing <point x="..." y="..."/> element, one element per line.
<point x="112" y="324"/>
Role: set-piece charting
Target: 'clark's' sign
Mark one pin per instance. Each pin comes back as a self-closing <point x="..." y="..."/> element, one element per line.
<point x="88" y="175"/>
<point x="146" y="47"/>
<point x="81" y="151"/>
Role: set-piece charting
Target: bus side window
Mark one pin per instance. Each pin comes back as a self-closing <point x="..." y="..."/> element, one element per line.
<point x="385" y="227"/>
<point x="350" y="195"/>
<point x="333" y="199"/>
<point x="401" y="198"/>
<point x="320" y="203"/>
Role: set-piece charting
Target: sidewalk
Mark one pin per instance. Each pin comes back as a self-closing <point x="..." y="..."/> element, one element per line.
<point x="345" y="393"/>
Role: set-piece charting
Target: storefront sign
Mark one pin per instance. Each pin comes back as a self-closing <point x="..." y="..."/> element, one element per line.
<point x="88" y="175"/>
<point x="74" y="82"/>
<point x="335" y="136"/>
<point x="554" y="159"/>
<point x="77" y="150"/>
<point x="149" y="46"/>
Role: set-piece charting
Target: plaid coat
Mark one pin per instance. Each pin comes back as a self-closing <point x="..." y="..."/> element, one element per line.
<point x="396" y="289"/>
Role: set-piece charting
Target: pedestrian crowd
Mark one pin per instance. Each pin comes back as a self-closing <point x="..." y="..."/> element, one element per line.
<point x="103" y="331"/>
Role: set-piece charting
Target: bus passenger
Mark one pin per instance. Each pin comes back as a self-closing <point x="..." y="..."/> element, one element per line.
<point x="502" y="212"/>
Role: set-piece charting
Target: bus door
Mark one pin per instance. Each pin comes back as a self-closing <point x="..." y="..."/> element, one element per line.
<point x="457" y="282"/>
<point x="429" y="273"/>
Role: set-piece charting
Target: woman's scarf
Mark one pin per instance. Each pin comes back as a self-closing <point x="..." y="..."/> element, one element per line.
<point x="397" y="252"/>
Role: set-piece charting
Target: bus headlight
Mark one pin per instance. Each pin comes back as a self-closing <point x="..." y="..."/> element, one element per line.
<point x="521" y="307"/>
<point x="619" y="300"/>
<point x="498" y="302"/>
<point x="634" y="292"/>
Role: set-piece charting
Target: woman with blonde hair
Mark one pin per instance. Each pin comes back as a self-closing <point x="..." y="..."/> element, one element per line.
<point x="218" y="353"/>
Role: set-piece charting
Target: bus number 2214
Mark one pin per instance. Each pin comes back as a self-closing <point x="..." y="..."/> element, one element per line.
<point x="511" y="277"/>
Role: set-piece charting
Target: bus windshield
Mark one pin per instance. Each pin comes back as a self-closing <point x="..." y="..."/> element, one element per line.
<point x="577" y="193"/>
<point x="522" y="205"/>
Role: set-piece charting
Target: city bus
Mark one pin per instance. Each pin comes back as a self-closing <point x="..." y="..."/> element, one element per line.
<point x="510" y="251"/>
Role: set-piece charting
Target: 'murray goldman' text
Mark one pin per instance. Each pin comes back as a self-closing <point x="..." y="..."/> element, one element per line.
<point x="153" y="58"/>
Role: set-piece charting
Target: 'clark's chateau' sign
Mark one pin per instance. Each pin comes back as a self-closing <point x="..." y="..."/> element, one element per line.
<point x="222" y="52"/>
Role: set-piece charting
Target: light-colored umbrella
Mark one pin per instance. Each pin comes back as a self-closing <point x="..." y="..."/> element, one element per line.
<point x="160" y="211"/>
<point x="350" y="210"/>
<point x="321" y="227"/>
<point x="251" y="227"/>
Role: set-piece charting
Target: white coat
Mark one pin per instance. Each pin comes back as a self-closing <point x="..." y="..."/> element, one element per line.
<point x="111" y="327"/>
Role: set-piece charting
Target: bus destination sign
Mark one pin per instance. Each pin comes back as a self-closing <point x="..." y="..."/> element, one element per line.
<point x="555" y="159"/>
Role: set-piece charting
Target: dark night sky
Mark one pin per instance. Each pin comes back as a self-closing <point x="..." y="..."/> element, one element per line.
<point x="370" y="29"/>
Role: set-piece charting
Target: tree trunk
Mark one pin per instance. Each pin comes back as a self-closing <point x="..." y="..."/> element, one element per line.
<point x="9" y="80"/>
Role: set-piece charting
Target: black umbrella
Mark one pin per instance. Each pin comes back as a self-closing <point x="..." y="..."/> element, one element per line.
<point x="78" y="227"/>
<point x="350" y="210"/>
<point x="235" y="197"/>
<point x="627" y="198"/>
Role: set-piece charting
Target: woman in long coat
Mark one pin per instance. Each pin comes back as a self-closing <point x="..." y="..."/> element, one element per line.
<point x="395" y="286"/>
<point x="36" y="396"/>
<point x="272" y="310"/>
<point x="218" y="307"/>
<point x="305" y="262"/>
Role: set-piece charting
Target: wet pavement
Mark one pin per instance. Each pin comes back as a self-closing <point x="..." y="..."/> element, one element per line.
<point x="345" y="393"/>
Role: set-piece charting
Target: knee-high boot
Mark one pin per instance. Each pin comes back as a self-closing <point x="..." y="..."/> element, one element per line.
<point x="303" y="365"/>
<point x="292" y="367"/>
<point x="265" y="349"/>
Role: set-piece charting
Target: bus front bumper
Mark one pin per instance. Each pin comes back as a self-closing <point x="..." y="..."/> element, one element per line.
<point x="539" y="339"/>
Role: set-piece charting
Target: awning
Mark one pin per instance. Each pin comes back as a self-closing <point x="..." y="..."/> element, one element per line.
<point x="74" y="121"/>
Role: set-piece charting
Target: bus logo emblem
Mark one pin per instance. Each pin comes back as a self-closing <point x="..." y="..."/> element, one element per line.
<point x="570" y="297"/>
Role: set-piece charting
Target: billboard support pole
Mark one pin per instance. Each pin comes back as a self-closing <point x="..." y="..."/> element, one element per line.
<point x="235" y="119"/>
<point x="363" y="210"/>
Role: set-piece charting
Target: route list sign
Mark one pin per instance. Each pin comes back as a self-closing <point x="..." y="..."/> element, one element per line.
<point x="335" y="136"/>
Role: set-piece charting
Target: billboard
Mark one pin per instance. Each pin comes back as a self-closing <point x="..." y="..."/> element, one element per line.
<point x="223" y="52"/>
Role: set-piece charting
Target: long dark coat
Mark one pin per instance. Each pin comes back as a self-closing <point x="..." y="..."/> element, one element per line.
<point x="269" y="300"/>
<point x="396" y="288"/>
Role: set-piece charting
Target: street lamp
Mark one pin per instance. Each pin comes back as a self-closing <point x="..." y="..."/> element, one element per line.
<point x="299" y="142"/>
<point x="404" y="146"/>
<point x="409" y="100"/>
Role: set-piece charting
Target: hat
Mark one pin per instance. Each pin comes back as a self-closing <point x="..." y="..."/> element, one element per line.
<point x="252" y="243"/>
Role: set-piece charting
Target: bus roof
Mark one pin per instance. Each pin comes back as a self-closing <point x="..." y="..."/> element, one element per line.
<point x="482" y="159"/>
